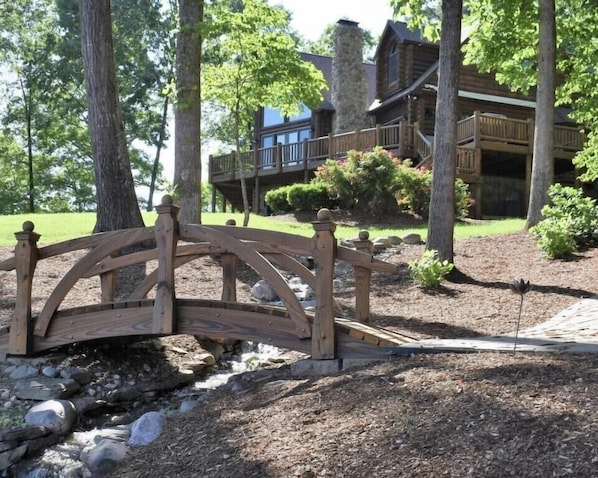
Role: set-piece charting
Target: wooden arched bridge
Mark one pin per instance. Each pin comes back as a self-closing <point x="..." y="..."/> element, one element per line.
<point x="153" y="308"/>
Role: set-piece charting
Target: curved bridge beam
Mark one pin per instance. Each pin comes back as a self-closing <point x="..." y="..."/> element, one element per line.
<point x="260" y="264"/>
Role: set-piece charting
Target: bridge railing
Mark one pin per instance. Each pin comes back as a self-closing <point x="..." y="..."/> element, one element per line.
<point x="267" y="252"/>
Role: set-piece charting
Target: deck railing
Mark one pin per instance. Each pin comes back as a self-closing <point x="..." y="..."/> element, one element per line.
<point x="405" y="139"/>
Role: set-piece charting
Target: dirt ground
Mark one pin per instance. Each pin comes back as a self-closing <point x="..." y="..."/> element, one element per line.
<point x="480" y="415"/>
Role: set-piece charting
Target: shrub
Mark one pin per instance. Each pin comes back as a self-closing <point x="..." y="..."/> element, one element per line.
<point x="278" y="199"/>
<point x="555" y="237"/>
<point x="309" y="197"/>
<point x="570" y="220"/>
<point x="570" y="204"/>
<point x="363" y="179"/>
<point x="414" y="187"/>
<point x="429" y="271"/>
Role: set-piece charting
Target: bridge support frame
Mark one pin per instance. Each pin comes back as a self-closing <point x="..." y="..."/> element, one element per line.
<point x="26" y="253"/>
<point x="323" y="333"/>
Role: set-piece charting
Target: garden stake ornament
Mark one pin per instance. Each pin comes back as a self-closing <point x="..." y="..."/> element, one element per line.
<point x="519" y="287"/>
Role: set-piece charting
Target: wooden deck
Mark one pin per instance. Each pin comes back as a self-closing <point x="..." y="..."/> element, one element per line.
<point x="323" y="334"/>
<point x="295" y="162"/>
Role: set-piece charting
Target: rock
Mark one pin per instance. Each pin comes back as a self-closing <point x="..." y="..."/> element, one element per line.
<point x="10" y="457"/>
<point x="261" y="290"/>
<point x="104" y="457"/>
<point x="395" y="240"/>
<point x="44" y="388"/>
<point x="147" y="428"/>
<point x="381" y="244"/>
<point x="80" y="375"/>
<point x="207" y="358"/>
<point x="412" y="239"/>
<point x="58" y="416"/>
<point x="23" y="371"/>
<point x="188" y="405"/>
<point x="50" y="371"/>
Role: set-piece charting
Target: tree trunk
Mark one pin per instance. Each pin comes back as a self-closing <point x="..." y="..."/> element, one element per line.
<point x="442" y="201"/>
<point x="543" y="156"/>
<point x="187" y="118"/>
<point x="117" y="206"/>
<point x="162" y="134"/>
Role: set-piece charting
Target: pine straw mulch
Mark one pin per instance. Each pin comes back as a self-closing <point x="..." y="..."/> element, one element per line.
<point x="482" y="414"/>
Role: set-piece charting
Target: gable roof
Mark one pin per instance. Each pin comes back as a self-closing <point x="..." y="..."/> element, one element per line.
<point x="324" y="64"/>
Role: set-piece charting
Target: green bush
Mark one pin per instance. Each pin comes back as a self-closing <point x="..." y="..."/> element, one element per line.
<point x="555" y="237"/>
<point x="570" y="204"/>
<point x="363" y="179"/>
<point x="570" y="220"/>
<point x="414" y="187"/>
<point x="278" y="199"/>
<point x="309" y="197"/>
<point x="429" y="271"/>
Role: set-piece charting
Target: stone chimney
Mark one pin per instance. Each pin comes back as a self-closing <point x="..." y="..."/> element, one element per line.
<point x="349" y="93"/>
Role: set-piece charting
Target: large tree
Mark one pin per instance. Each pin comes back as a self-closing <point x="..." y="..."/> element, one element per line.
<point x="543" y="155"/>
<point x="442" y="216"/>
<point x="187" y="172"/>
<point x="117" y="204"/>
<point x="258" y="66"/>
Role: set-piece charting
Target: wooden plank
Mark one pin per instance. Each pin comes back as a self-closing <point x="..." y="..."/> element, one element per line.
<point x="98" y="324"/>
<point x="362" y="259"/>
<point x="240" y="324"/>
<point x="117" y="241"/>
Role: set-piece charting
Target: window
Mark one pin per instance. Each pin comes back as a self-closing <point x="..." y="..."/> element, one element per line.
<point x="272" y="117"/>
<point x="304" y="114"/>
<point x="393" y="65"/>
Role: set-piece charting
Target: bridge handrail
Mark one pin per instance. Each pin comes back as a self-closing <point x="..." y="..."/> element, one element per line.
<point x="261" y="250"/>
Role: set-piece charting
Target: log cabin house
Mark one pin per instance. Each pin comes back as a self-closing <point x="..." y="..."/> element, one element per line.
<point x="392" y="104"/>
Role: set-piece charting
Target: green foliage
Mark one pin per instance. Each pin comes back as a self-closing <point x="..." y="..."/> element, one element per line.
<point x="363" y="179"/>
<point x="429" y="271"/>
<point x="309" y="197"/>
<point x="555" y="237"/>
<point x="367" y="180"/>
<point x="570" y="220"/>
<point x="278" y="199"/>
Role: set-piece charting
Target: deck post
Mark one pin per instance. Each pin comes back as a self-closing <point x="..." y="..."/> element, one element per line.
<point x="229" y="272"/>
<point x="20" y="342"/>
<point x="278" y="158"/>
<point x="362" y="277"/>
<point x="167" y="236"/>
<point x="331" y="149"/>
<point x="323" y="333"/>
<point x="401" y="138"/>
<point x="379" y="135"/>
<point x="476" y="129"/>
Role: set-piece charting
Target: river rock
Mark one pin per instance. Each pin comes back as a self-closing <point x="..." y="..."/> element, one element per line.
<point x="147" y="428"/>
<point x="261" y="290"/>
<point x="23" y="371"/>
<point x="56" y="415"/>
<point x="45" y="388"/>
<point x="104" y="457"/>
<point x="10" y="457"/>
<point x="412" y="239"/>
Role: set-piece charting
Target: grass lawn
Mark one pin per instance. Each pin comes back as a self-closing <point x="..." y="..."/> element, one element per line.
<point x="60" y="227"/>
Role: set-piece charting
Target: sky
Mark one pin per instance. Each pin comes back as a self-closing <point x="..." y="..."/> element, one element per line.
<point x="311" y="17"/>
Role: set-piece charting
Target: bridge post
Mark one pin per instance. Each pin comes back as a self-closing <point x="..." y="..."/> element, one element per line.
<point x="167" y="236"/>
<point x="362" y="277"/>
<point x="229" y="272"/>
<point x="323" y="333"/>
<point x="26" y="259"/>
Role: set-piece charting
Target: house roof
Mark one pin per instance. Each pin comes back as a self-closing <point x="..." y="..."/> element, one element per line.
<point x="324" y="64"/>
<point x="402" y="31"/>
